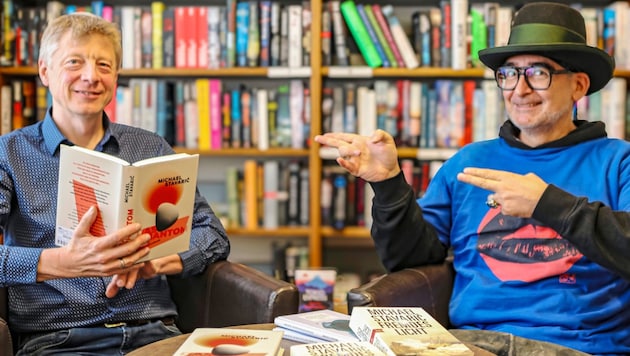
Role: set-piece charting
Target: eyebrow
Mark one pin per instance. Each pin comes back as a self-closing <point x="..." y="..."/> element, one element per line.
<point x="544" y="64"/>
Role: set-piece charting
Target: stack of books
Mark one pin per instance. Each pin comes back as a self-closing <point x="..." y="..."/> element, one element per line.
<point x="316" y="326"/>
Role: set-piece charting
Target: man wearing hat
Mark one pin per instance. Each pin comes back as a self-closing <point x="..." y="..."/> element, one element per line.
<point x="538" y="219"/>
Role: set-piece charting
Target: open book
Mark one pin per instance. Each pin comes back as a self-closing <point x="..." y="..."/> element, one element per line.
<point x="158" y="193"/>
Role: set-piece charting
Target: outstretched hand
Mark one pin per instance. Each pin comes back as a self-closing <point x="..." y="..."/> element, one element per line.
<point x="516" y="194"/>
<point x="373" y="158"/>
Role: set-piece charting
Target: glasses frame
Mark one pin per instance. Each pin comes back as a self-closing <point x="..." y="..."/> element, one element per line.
<point x="522" y="70"/>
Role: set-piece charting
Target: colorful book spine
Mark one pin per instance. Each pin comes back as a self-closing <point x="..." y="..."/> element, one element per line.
<point x="180" y="124"/>
<point x="326" y="34"/>
<point x="216" y="126"/>
<point x="235" y="121"/>
<point x="246" y="118"/>
<point x="400" y="37"/>
<point x="250" y="175"/>
<point x="214" y="37"/>
<point x="459" y="34"/>
<point x="359" y="33"/>
<point x="369" y="11"/>
<point x="262" y="103"/>
<point x="168" y="37"/>
<point x="242" y="33"/>
<point x="230" y="41"/>
<point x="435" y="16"/>
<point x="157" y="13"/>
<point x="283" y="117"/>
<point x="265" y="32"/>
<point x="418" y="37"/>
<point x="274" y="40"/>
<point x="146" y="29"/>
<point x="339" y="36"/>
<point x="294" y="37"/>
<point x="382" y="22"/>
<point x="203" y="112"/>
<point x="180" y="36"/>
<point x="307" y="19"/>
<point x="253" y="35"/>
<point x="296" y="111"/>
<point x="226" y="112"/>
<point x="446" y="45"/>
<point x="201" y="36"/>
<point x="371" y="31"/>
<point x="478" y="32"/>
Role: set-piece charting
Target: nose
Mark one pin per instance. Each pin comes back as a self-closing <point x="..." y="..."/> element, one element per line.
<point x="522" y="86"/>
<point x="89" y="72"/>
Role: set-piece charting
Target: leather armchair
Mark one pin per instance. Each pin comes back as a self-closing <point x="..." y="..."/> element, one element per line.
<point x="226" y="294"/>
<point x="429" y="287"/>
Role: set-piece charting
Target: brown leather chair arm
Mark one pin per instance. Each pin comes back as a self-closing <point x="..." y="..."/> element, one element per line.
<point x="230" y="294"/>
<point x="427" y="286"/>
<point x="6" y="345"/>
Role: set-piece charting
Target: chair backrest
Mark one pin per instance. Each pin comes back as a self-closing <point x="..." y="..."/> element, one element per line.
<point x="229" y="294"/>
<point x="428" y="286"/>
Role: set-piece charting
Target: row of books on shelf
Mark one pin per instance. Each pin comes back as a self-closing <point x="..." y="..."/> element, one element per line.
<point x="269" y="33"/>
<point x="267" y="194"/>
<point x="206" y="114"/>
<point x="347" y="200"/>
<point x="238" y="34"/>
<point x="447" y="113"/>
<point x="211" y="114"/>
<point x="429" y="114"/>
<point x="367" y="331"/>
<point x="452" y="33"/>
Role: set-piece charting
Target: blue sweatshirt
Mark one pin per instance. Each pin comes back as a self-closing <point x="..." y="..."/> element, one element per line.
<point x="562" y="276"/>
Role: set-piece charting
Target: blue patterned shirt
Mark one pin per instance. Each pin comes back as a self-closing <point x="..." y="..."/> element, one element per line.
<point x="29" y="166"/>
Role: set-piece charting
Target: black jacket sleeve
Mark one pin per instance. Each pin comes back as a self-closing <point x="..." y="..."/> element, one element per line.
<point x="401" y="235"/>
<point x="598" y="232"/>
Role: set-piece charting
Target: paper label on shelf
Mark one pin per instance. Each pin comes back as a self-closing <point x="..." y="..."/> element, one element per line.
<point x="289" y="72"/>
<point x="350" y="72"/>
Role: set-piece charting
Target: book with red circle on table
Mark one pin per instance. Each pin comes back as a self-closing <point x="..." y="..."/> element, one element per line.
<point x="231" y="341"/>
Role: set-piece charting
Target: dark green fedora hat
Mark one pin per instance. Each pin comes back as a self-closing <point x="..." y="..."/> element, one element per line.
<point x="555" y="31"/>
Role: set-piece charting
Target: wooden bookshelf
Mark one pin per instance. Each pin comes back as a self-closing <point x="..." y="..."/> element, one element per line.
<point x="316" y="234"/>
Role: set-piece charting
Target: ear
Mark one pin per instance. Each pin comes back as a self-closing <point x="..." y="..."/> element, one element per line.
<point x="42" y="68"/>
<point x="582" y="83"/>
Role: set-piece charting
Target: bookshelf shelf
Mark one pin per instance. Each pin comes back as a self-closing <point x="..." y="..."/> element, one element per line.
<point x="298" y="232"/>
<point x="423" y="72"/>
<point x="248" y="152"/>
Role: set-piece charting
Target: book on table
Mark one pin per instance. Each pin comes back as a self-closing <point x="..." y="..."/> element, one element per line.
<point x="231" y="341"/>
<point x="325" y="325"/>
<point x="336" y="348"/>
<point x="405" y="331"/>
<point x="158" y="193"/>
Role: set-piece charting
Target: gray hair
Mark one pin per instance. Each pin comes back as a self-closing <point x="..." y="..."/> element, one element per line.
<point x="81" y="24"/>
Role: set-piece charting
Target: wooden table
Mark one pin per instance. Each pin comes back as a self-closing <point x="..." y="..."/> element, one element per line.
<point x="170" y="345"/>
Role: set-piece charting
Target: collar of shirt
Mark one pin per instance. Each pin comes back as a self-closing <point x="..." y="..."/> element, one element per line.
<point x="53" y="136"/>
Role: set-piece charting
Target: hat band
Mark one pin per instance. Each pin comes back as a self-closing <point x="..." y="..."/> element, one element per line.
<point x="541" y="34"/>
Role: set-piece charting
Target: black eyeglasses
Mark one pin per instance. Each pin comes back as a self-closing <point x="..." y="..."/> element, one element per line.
<point x="537" y="76"/>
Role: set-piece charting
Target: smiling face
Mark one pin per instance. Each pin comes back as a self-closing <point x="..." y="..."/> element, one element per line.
<point x="81" y="75"/>
<point x="543" y="115"/>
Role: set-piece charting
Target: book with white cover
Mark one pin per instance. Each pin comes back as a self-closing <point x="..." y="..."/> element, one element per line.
<point x="405" y="331"/>
<point x="325" y="324"/>
<point x="159" y="193"/>
<point x="231" y="341"/>
<point x="336" y="349"/>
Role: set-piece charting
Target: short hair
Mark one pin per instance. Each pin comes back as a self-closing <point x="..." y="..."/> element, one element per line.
<point x="81" y="24"/>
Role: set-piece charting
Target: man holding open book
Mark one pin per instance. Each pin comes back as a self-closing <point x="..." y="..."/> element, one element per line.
<point x="538" y="218"/>
<point x="90" y="296"/>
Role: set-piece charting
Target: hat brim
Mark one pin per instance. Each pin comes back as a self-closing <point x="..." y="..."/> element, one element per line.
<point x="593" y="61"/>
